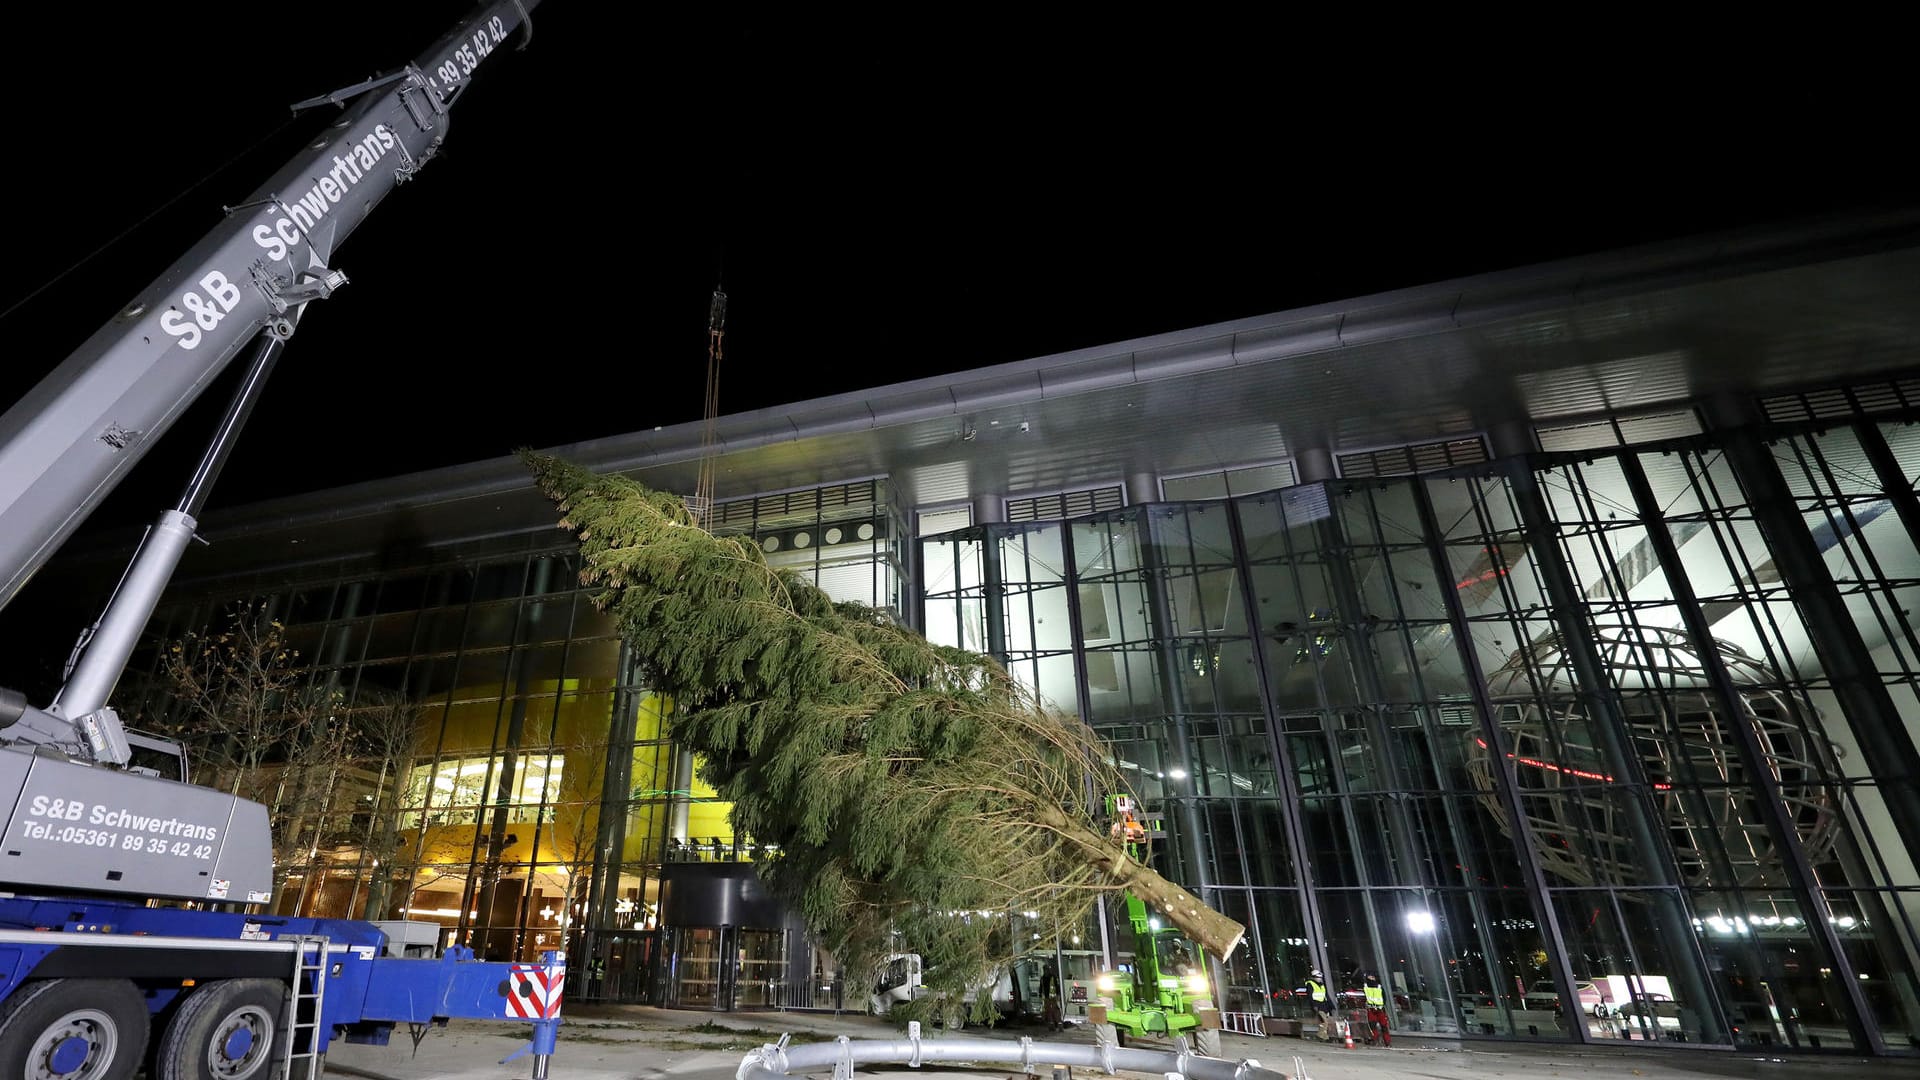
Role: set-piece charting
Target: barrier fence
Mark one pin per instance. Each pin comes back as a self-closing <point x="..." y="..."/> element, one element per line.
<point x="809" y="995"/>
<point x="1243" y="1023"/>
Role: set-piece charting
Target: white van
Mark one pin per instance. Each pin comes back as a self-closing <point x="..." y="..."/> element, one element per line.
<point x="899" y="982"/>
<point x="903" y="979"/>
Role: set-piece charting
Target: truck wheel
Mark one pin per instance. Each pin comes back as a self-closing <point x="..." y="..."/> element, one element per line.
<point x="226" y="1030"/>
<point x="73" y="1029"/>
<point x="1207" y="1041"/>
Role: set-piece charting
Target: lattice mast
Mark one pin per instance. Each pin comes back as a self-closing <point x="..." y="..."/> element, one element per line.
<point x="701" y="505"/>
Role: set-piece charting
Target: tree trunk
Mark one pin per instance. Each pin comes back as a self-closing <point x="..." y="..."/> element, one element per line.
<point x="1208" y="928"/>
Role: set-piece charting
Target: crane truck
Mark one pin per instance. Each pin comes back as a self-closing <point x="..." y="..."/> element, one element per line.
<point x="1164" y="993"/>
<point x="130" y="926"/>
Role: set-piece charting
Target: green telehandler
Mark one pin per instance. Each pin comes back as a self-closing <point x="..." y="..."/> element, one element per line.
<point x="1166" y="993"/>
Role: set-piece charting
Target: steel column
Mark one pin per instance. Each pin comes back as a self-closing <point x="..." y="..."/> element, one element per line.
<point x="1753" y="758"/>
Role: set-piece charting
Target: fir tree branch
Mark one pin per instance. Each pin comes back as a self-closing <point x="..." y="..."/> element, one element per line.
<point x="914" y="792"/>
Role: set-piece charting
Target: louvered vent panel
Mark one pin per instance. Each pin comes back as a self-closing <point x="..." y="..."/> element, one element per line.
<point x="1842" y="401"/>
<point x="1878" y="397"/>
<point x="1419" y="458"/>
<point x="1577" y="436"/>
<point x="1065" y="504"/>
<point x="1825" y="403"/>
<point x="745" y="513"/>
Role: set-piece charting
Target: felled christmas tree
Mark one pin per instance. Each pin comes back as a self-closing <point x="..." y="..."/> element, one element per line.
<point x="909" y="788"/>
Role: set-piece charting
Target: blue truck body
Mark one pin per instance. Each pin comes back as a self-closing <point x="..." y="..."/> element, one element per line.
<point x="165" y="951"/>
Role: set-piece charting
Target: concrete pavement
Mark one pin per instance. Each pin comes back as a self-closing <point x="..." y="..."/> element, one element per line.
<point x="639" y="1043"/>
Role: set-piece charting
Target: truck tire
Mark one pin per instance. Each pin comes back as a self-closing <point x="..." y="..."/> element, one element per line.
<point x="232" y="1029"/>
<point x="1206" y="1041"/>
<point x="73" y="1029"/>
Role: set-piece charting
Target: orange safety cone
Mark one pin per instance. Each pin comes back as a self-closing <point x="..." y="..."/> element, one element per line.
<point x="1346" y="1030"/>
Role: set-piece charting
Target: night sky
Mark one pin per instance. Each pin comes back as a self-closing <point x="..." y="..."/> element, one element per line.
<point x="883" y="196"/>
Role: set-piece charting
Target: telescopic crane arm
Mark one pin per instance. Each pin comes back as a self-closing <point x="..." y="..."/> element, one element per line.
<point x="75" y="435"/>
<point x="72" y="438"/>
<point x="67" y="823"/>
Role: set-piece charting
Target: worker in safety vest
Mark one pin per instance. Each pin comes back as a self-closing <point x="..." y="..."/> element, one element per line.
<point x="1377" y="1012"/>
<point x="1322" y="1003"/>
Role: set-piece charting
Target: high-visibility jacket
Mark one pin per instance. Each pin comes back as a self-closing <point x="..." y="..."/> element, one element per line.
<point x="1376" y="997"/>
<point x="1317" y="989"/>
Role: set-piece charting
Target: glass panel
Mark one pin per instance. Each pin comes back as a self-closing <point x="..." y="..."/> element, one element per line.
<point x="340" y="643"/>
<point x="1418" y="935"/>
<point x="391" y="636"/>
<point x="461" y="791"/>
<point x="1055" y="682"/>
<point x="1871" y="927"/>
<point x="697" y="967"/>
<point x="1263" y="844"/>
<point x="1259" y="478"/>
<point x="402" y="594"/>
<point x="935" y="522"/>
<point x="549" y="619"/>
<point x="1348" y="919"/>
<point x="1329" y="838"/>
<point x="1052" y="621"/>
<point x="496" y="581"/>
<point x="762" y="956"/>
<point x="1203" y="486"/>
<point x="1107" y="544"/>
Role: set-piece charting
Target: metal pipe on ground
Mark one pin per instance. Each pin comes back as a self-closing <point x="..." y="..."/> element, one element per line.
<point x="778" y="1062"/>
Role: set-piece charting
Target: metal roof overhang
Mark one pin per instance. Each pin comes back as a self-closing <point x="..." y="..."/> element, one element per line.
<point x="1750" y="312"/>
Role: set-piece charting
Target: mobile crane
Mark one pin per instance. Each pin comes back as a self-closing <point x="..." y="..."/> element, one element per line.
<point x="1146" y="1000"/>
<point x="112" y="876"/>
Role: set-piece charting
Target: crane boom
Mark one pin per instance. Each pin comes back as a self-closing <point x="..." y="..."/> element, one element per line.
<point x="76" y="820"/>
<point x="70" y="440"/>
<point x="98" y="981"/>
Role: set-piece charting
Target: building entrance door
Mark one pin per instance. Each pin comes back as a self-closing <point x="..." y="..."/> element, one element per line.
<point x="627" y="977"/>
<point x="700" y="968"/>
<point x="762" y="959"/>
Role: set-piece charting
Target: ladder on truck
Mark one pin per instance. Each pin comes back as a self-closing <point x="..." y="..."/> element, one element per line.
<point x="308" y="994"/>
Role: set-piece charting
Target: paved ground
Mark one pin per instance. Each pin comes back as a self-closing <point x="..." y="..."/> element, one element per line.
<point x="635" y="1043"/>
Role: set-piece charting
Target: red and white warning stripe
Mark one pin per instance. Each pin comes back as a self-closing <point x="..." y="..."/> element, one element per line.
<point x="533" y="990"/>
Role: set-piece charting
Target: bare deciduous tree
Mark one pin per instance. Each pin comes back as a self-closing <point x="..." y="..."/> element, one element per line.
<point x="257" y="721"/>
<point x="254" y="724"/>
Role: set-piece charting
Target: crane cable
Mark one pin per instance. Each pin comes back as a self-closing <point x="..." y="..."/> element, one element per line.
<point x="162" y="208"/>
<point x="702" y="503"/>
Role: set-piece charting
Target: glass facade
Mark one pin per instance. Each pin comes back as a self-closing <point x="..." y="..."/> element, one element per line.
<point x="1615" y="745"/>
<point x="1611" y="743"/>
<point x="534" y="802"/>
